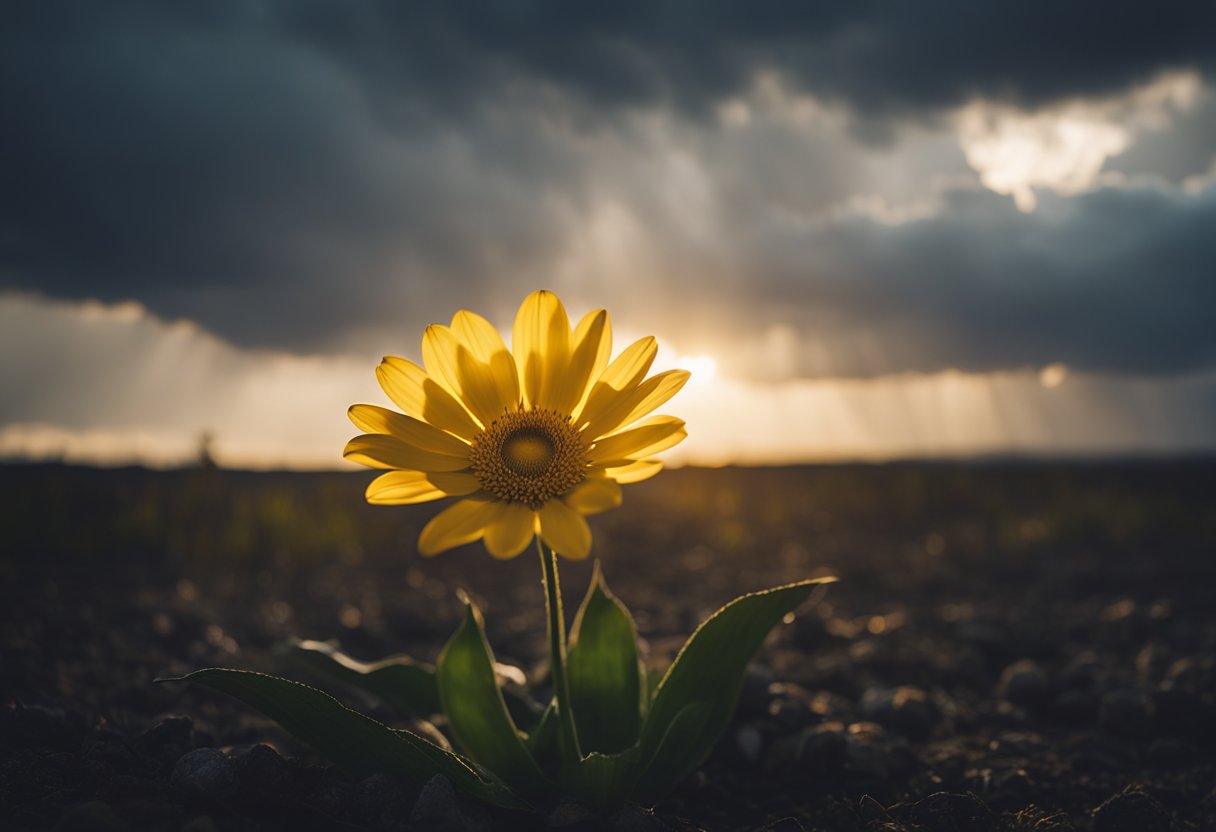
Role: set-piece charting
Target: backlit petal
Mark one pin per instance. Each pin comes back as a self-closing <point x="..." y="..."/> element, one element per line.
<point x="510" y="531"/>
<point x="594" y="495"/>
<point x="420" y="396"/>
<point x="643" y="469"/>
<point x="405" y="487"/>
<point x="464" y="374"/>
<point x="565" y="530"/>
<point x="656" y="434"/>
<point x="636" y="403"/>
<point x="379" y="451"/>
<point x="540" y="342"/>
<point x="590" y="348"/>
<point x="439" y="347"/>
<point x="372" y="419"/>
<point x="624" y="373"/>
<point x="456" y="525"/>
<point x="486" y="345"/>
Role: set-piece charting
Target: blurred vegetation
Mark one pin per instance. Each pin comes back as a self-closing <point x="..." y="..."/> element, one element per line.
<point x="850" y="518"/>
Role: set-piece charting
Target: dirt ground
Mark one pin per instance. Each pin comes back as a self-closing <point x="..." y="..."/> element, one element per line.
<point x="1011" y="646"/>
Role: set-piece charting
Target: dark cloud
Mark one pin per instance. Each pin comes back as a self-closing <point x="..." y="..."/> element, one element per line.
<point x="291" y="174"/>
<point x="1110" y="281"/>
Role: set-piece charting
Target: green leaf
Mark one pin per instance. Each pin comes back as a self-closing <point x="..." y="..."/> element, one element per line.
<point x="603" y="781"/>
<point x="710" y="670"/>
<point x="670" y="763"/>
<point x="604" y="672"/>
<point x="398" y="681"/>
<point x="358" y="744"/>
<point x="476" y="711"/>
<point x="403" y="683"/>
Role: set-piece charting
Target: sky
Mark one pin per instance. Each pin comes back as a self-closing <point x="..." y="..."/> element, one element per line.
<point x="872" y="230"/>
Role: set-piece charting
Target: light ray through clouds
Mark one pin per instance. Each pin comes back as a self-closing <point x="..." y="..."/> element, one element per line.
<point x="865" y="241"/>
<point x="270" y="409"/>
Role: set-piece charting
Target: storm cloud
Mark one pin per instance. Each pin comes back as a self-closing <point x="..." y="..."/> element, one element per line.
<point x="318" y="177"/>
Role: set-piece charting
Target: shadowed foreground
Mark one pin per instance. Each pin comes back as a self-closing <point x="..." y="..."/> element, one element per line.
<point x="1011" y="647"/>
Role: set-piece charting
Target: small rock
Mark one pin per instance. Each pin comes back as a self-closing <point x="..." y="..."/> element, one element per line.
<point x="265" y="777"/>
<point x="206" y="773"/>
<point x="1024" y="683"/>
<point x="874" y="754"/>
<point x="749" y="742"/>
<point x="166" y="741"/>
<point x="1125" y="713"/>
<point x="380" y="799"/>
<point x="438" y="810"/>
<point x="905" y="710"/>
<point x="1134" y="810"/>
<point x="824" y="749"/>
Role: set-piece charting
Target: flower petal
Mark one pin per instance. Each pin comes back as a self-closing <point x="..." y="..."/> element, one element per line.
<point x="510" y="531"/>
<point x="420" y="396"/>
<point x="625" y="372"/>
<point x="591" y="496"/>
<point x="439" y="347"/>
<point x="636" y="403"/>
<point x="656" y="434"/>
<point x="643" y="469"/>
<point x="540" y="341"/>
<point x="372" y="419"/>
<point x="456" y="525"/>
<point x="589" y="353"/>
<point x="565" y="530"/>
<point x="398" y="488"/>
<point x="487" y="346"/>
<point x="464" y="374"/>
<point x="378" y="451"/>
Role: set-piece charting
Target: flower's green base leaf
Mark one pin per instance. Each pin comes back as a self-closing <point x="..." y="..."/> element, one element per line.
<point x="398" y="681"/>
<point x="358" y="744"/>
<point x="404" y="683"/>
<point x="476" y="711"/>
<point x="709" y="671"/>
<point x="605" y="680"/>
<point x="671" y="762"/>
<point x="603" y="781"/>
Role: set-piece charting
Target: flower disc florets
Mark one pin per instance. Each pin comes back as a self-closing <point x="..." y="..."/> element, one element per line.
<point x="529" y="456"/>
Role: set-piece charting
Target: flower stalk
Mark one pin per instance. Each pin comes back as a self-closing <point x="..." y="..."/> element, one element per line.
<point x="567" y="733"/>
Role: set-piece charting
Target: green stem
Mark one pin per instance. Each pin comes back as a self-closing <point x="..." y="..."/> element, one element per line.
<point x="557" y="651"/>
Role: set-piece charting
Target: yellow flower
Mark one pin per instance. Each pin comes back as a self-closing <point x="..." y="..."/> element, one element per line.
<point x="530" y="441"/>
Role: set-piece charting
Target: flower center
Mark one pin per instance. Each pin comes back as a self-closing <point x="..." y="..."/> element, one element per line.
<point x="529" y="456"/>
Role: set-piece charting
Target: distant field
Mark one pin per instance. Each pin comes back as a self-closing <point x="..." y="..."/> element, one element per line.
<point x="1100" y="575"/>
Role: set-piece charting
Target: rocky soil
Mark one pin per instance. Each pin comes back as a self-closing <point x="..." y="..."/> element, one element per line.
<point x="1012" y="647"/>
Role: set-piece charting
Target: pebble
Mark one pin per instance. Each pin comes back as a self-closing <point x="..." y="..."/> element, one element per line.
<point x="1134" y="810"/>
<point x="749" y="742"/>
<point x="1024" y="683"/>
<point x="265" y="777"/>
<point x="905" y="710"/>
<point x="166" y="741"/>
<point x="438" y="810"/>
<point x="824" y="749"/>
<point x="207" y="773"/>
